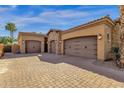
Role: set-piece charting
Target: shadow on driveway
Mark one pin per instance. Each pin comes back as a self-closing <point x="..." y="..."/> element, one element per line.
<point x="11" y="55"/>
<point x="107" y="68"/>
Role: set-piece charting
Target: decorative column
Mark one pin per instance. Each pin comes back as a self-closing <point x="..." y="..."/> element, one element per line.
<point x="62" y="47"/>
<point x="23" y="48"/>
<point x="42" y="46"/>
<point x="48" y="46"/>
<point x="122" y="32"/>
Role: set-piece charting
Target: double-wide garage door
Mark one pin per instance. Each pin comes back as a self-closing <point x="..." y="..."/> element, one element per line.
<point x="33" y="46"/>
<point x="83" y="47"/>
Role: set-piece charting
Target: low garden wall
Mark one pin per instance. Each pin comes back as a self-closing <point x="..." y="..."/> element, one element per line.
<point x="1" y="50"/>
<point x="7" y="48"/>
<point x="15" y="48"/>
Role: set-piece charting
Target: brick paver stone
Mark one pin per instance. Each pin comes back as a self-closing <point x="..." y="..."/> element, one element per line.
<point x="31" y="72"/>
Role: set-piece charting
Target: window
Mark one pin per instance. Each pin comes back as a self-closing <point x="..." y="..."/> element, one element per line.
<point x="108" y="37"/>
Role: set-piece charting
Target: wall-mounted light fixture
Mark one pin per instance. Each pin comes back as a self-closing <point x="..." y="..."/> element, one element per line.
<point x="23" y="42"/>
<point x="100" y="36"/>
<point x="60" y="41"/>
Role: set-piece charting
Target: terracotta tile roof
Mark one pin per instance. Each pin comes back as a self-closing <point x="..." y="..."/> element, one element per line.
<point x="32" y="34"/>
<point x="77" y="27"/>
<point x="91" y="22"/>
<point x="117" y="20"/>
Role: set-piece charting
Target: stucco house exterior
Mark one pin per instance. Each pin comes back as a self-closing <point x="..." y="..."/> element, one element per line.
<point x="90" y="40"/>
<point x="116" y="34"/>
<point x="30" y="42"/>
<point x="94" y="39"/>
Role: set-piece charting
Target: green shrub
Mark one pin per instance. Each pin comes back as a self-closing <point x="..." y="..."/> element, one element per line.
<point x="6" y="40"/>
<point x="116" y="52"/>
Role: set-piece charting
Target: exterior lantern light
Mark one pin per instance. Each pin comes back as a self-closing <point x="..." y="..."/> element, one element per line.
<point x="23" y="42"/>
<point x="99" y="36"/>
<point x="60" y="41"/>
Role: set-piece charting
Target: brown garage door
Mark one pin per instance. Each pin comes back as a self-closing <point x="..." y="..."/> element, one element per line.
<point x="33" y="46"/>
<point x="83" y="46"/>
<point x="52" y="47"/>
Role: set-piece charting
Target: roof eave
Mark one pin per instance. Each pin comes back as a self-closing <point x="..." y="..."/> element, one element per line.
<point x="106" y="18"/>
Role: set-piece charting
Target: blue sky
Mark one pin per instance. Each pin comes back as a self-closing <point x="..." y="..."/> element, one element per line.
<point x="42" y="18"/>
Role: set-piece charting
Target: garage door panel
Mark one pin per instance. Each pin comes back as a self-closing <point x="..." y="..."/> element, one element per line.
<point x="33" y="46"/>
<point x="83" y="46"/>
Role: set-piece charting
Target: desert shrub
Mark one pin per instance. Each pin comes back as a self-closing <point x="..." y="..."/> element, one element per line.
<point x="6" y="40"/>
<point x="116" y="52"/>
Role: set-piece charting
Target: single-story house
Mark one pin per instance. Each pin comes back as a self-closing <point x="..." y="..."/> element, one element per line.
<point x="90" y="40"/>
<point x="94" y="39"/>
<point x="30" y="42"/>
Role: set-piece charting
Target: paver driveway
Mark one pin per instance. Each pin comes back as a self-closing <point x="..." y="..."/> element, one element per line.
<point x="33" y="71"/>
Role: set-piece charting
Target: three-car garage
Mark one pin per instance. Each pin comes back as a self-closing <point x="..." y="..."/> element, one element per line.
<point x="90" y="40"/>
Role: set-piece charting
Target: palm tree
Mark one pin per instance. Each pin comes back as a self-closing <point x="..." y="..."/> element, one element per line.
<point x="11" y="27"/>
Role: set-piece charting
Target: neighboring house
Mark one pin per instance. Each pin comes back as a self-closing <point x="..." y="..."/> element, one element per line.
<point x="94" y="39"/>
<point x="30" y="42"/>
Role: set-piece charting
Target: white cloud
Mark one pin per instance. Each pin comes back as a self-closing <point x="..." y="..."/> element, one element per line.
<point x="49" y="17"/>
<point x="3" y="9"/>
<point x="52" y="17"/>
<point x="64" y="13"/>
<point x="9" y="8"/>
<point x="13" y="6"/>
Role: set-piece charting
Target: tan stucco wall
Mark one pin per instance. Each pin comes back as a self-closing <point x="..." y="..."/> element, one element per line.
<point x="102" y="27"/>
<point x="108" y="41"/>
<point x="23" y="38"/>
<point x="102" y="45"/>
<point x="56" y="36"/>
<point x="116" y="36"/>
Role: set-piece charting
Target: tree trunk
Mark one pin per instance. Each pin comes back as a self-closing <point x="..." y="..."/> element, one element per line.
<point x="11" y="34"/>
<point x="122" y="32"/>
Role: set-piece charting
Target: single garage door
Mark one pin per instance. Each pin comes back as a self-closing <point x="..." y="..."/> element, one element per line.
<point x="52" y="46"/>
<point x="33" y="46"/>
<point x="83" y="47"/>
